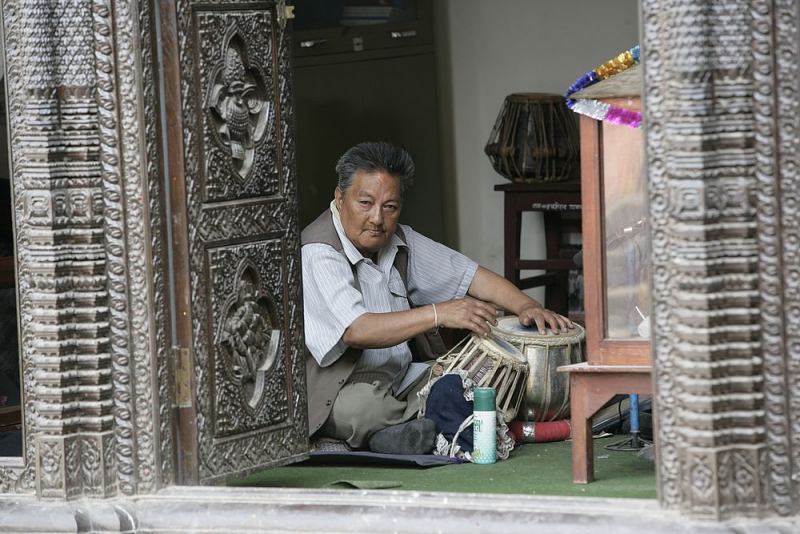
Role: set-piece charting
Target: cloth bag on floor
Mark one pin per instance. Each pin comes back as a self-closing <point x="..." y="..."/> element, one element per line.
<point x="448" y="400"/>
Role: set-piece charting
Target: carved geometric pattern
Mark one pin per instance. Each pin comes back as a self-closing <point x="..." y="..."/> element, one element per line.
<point x="251" y="385"/>
<point x="779" y="494"/>
<point x="236" y="66"/>
<point x="784" y="461"/>
<point x="261" y="210"/>
<point x="132" y="51"/>
<point x="56" y="159"/>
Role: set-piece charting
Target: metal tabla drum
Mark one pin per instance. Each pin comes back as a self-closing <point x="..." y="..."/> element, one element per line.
<point x="546" y="396"/>
<point x="489" y="362"/>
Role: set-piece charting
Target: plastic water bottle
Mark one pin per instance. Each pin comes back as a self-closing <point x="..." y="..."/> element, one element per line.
<point x="484" y="426"/>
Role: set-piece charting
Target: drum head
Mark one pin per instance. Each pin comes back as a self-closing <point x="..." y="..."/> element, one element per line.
<point x="510" y="329"/>
<point x="505" y="348"/>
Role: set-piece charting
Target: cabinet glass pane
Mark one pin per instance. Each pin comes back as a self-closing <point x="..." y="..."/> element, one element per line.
<point x="324" y="14"/>
<point x="627" y="237"/>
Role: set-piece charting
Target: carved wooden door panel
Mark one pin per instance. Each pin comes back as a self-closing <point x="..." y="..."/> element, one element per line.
<point x="243" y="407"/>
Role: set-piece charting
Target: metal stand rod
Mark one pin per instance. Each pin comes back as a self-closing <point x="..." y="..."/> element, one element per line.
<point x="635" y="441"/>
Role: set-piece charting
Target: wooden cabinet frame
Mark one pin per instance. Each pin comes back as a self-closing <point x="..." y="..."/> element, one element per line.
<point x="600" y="349"/>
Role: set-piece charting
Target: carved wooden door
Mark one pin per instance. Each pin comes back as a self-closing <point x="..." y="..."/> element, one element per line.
<point x="241" y="380"/>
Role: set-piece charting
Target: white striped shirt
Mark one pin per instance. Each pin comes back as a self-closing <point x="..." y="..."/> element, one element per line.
<point x="436" y="273"/>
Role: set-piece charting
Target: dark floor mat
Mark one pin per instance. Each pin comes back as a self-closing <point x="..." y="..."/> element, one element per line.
<point x="373" y="458"/>
<point x="532" y="469"/>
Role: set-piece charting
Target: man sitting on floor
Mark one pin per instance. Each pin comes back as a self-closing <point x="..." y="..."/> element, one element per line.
<point x="372" y="289"/>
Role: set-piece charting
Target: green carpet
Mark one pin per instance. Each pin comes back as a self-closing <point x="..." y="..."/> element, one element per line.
<point x="532" y="469"/>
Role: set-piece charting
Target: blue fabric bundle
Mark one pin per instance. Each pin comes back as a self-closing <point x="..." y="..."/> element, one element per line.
<point x="447" y="406"/>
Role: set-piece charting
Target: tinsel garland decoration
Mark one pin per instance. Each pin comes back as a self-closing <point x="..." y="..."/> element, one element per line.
<point x="599" y="110"/>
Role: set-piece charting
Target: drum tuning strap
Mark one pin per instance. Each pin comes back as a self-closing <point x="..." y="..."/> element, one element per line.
<point x="435" y="317"/>
<point x="454" y="448"/>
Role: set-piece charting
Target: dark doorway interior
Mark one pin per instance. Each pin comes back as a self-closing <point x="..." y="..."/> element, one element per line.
<point x="10" y="413"/>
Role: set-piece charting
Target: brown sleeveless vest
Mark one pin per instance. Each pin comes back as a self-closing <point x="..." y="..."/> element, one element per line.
<point x="324" y="383"/>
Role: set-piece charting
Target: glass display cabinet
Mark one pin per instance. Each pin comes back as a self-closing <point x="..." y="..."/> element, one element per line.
<point x="616" y="265"/>
<point x="616" y="237"/>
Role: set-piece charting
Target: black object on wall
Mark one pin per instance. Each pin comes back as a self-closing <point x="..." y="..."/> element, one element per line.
<point x="383" y="93"/>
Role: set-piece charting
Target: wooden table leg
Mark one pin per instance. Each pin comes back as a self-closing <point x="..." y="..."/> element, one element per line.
<point x="582" y="446"/>
<point x="513" y="227"/>
<point x="585" y="400"/>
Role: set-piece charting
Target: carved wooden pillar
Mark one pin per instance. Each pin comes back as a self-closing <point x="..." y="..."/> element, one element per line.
<point x="75" y="103"/>
<point x="57" y="150"/>
<point x="723" y="209"/>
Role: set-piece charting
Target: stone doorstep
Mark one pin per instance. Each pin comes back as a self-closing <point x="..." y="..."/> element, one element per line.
<point x="250" y="510"/>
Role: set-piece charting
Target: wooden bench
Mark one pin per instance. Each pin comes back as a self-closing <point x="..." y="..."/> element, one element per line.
<point x="590" y="388"/>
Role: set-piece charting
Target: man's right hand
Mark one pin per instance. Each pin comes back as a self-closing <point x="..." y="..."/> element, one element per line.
<point x="467" y="314"/>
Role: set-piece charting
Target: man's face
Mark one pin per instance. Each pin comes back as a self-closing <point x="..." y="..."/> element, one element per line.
<point x="370" y="210"/>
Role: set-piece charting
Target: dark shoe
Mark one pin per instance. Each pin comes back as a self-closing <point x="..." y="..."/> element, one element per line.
<point x="414" y="437"/>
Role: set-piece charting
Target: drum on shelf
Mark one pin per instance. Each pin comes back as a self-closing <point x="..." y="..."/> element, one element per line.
<point x="546" y="396"/>
<point x="489" y="362"/>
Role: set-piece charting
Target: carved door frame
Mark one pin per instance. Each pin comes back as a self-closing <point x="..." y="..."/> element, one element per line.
<point x="80" y="154"/>
<point x="722" y="118"/>
<point x="721" y="109"/>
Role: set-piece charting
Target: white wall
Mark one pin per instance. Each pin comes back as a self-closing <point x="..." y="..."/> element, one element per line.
<point x="487" y="50"/>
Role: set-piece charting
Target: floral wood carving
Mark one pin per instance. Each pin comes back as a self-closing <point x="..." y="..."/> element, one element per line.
<point x="249" y="336"/>
<point x="248" y="310"/>
<point x="238" y="105"/>
<point x="236" y="58"/>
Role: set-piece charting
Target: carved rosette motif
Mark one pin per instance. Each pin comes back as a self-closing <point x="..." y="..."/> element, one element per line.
<point x="236" y="68"/>
<point x="251" y="386"/>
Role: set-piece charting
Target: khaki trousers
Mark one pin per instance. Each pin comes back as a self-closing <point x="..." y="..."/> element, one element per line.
<point x="361" y="409"/>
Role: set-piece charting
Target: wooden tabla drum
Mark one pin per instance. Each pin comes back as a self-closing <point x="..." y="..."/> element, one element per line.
<point x="490" y="363"/>
<point x="546" y="396"/>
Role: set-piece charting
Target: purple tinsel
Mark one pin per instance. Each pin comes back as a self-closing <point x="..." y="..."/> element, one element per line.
<point x="594" y="109"/>
<point x="625" y="117"/>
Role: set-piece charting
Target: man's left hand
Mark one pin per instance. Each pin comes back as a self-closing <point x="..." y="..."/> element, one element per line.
<point x="542" y="317"/>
